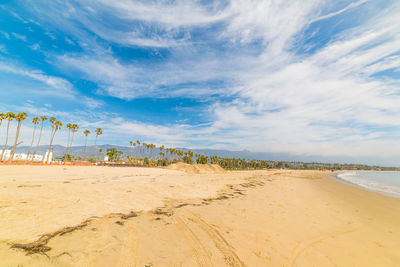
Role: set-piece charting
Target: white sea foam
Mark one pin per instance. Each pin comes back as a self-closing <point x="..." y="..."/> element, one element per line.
<point x="384" y="182"/>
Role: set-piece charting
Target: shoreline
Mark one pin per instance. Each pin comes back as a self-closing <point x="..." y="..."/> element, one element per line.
<point x="368" y="188"/>
<point x="252" y="218"/>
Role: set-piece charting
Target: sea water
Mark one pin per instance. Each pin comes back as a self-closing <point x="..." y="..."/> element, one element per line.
<point x="383" y="182"/>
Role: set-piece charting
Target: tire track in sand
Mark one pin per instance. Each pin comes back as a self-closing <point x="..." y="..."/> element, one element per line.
<point x="199" y="251"/>
<point x="220" y="242"/>
<point x="302" y="246"/>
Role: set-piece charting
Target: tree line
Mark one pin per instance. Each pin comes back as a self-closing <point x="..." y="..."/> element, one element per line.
<point x="151" y="155"/>
<point x="55" y="127"/>
<point x="146" y="154"/>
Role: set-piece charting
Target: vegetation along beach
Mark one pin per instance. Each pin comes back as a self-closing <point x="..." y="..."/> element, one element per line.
<point x="206" y="133"/>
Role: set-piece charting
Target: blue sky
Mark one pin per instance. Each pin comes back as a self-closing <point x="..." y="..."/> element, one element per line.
<point x="305" y="77"/>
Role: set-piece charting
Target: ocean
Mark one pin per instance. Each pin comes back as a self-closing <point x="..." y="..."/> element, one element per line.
<point x="383" y="182"/>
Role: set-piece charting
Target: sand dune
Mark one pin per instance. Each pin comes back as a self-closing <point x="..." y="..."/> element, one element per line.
<point x="196" y="168"/>
<point x="138" y="216"/>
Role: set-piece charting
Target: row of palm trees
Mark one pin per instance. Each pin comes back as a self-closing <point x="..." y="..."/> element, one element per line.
<point x="154" y="155"/>
<point x="165" y="155"/>
<point x="55" y="127"/>
<point x="144" y="153"/>
<point x="9" y="116"/>
<point x="141" y="150"/>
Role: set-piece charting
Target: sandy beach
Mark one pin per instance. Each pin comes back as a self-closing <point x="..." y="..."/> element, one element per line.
<point x="103" y="216"/>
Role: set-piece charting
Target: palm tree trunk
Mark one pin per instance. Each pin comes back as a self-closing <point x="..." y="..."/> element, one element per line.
<point x="95" y="147"/>
<point x="15" y="142"/>
<point x="51" y="142"/>
<point x="33" y="139"/>
<point x="69" y="133"/>
<point x="5" y="145"/>
<point x="1" y="122"/>
<point x="70" y="145"/>
<point x="37" y="145"/>
<point x="84" y="151"/>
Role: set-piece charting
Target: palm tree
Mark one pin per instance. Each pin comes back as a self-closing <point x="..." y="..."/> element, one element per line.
<point x="56" y="125"/>
<point x="2" y="117"/>
<point x="20" y="117"/>
<point x="86" y="133"/>
<point x="161" y="153"/>
<point x="69" y="127"/>
<point x="131" y="145"/>
<point x="145" y="149"/>
<point x="52" y="121"/>
<point x="35" y="122"/>
<point x="99" y="131"/>
<point x="43" y="119"/>
<point x="74" y="129"/>
<point x="9" y="116"/>
<point x="152" y="146"/>
<point x="140" y="149"/>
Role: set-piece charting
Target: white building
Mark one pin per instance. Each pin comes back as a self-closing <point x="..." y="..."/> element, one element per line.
<point x="20" y="156"/>
<point x="23" y="156"/>
<point x="50" y="157"/>
<point x="37" y="158"/>
<point x="6" y="154"/>
<point x="17" y="156"/>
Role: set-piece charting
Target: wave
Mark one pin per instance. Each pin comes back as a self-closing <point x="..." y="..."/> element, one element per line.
<point x="357" y="178"/>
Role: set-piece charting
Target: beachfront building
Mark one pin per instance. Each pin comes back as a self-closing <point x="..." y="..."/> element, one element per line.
<point x="37" y="158"/>
<point x="6" y="154"/>
<point x="50" y="157"/>
<point x="20" y="156"/>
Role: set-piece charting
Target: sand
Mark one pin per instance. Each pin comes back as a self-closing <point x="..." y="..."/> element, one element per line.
<point x="196" y="168"/>
<point x="102" y="216"/>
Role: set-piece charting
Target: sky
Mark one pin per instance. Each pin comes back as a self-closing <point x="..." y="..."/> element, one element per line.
<point x="311" y="77"/>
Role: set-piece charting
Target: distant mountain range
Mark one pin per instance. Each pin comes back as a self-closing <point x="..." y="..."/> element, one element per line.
<point x="249" y="155"/>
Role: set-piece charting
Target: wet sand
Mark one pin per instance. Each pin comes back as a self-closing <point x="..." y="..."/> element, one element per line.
<point x="101" y="216"/>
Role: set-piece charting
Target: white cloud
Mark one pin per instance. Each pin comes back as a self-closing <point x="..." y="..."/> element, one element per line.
<point x="91" y="103"/>
<point x="19" y="36"/>
<point x="275" y="23"/>
<point x="5" y="34"/>
<point x="35" y="47"/>
<point x="128" y="81"/>
<point x="317" y="103"/>
<point x="59" y="86"/>
<point x="3" y="49"/>
<point x="69" y="41"/>
<point x="330" y="101"/>
<point x="50" y="85"/>
<point x="330" y="15"/>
